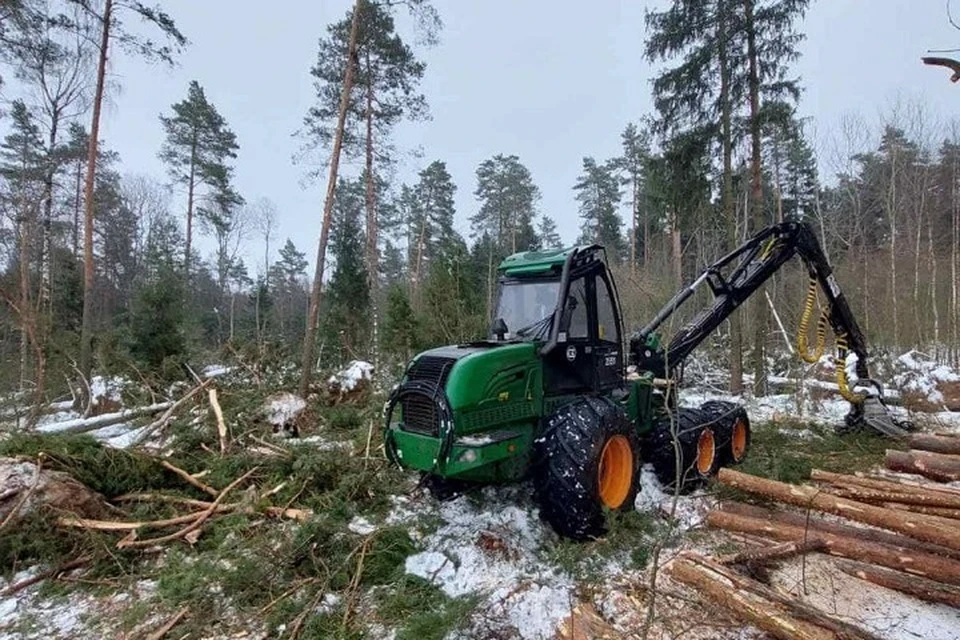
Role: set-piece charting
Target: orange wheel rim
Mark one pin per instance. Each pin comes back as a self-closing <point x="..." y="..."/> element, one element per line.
<point x="615" y="471"/>
<point x="706" y="452"/>
<point x="738" y="444"/>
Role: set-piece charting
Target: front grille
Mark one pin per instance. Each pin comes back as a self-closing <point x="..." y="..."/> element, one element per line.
<point x="420" y="415"/>
<point x="434" y="369"/>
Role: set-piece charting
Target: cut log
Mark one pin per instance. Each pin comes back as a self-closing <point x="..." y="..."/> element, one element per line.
<point x="939" y="512"/>
<point x="772" y="618"/>
<point x="936" y="444"/>
<point x="221" y="425"/>
<point x="83" y="425"/>
<point x="759" y="557"/>
<point x="903" y="558"/>
<point x="898" y="485"/>
<point x="707" y="574"/>
<point x="914" y="525"/>
<point x="897" y="580"/>
<point x="936" y="466"/>
<point x="813" y="524"/>
<point x="584" y="623"/>
<point x="873" y="496"/>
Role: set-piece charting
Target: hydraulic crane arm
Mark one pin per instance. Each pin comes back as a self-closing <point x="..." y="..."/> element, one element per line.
<point x="752" y="264"/>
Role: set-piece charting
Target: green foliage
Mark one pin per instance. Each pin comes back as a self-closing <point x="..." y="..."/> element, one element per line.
<point x="421" y="610"/>
<point x="598" y="194"/>
<point x="346" y="322"/>
<point x="400" y="326"/>
<point x="508" y="203"/>
<point x="157" y="319"/>
<point x="111" y="472"/>
<point x="345" y="418"/>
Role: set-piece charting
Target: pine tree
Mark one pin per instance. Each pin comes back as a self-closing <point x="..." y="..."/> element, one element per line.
<point x="598" y="194"/>
<point x="508" y="204"/>
<point x="430" y="218"/>
<point x="197" y="150"/>
<point x="547" y="236"/>
<point x="635" y="166"/>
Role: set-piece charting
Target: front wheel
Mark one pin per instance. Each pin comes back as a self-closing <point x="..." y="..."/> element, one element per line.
<point x="586" y="461"/>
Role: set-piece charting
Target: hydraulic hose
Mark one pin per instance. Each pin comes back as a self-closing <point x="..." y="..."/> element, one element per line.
<point x="805" y="323"/>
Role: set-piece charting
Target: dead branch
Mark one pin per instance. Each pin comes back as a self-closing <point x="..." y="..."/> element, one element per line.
<point x="760" y="557"/>
<point x="40" y="577"/>
<point x="168" y="625"/>
<point x="221" y="425"/>
<point x="130" y="542"/>
<point x="165" y="418"/>
<point x="192" y="480"/>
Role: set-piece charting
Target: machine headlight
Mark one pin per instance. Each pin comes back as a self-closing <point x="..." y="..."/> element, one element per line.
<point x="468" y="456"/>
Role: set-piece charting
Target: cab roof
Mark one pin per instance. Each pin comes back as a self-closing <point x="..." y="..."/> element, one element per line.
<point x="534" y="263"/>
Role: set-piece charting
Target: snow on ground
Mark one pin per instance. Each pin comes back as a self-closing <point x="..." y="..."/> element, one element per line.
<point x="490" y="546"/>
<point x="348" y="378"/>
<point x="282" y="408"/>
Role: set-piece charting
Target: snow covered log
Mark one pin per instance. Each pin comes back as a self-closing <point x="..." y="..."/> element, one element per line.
<point x="778" y="614"/>
<point x="82" y="425"/>
<point x="911" y="585"/>
<point x="934" y="443"/>
<point x="916" y="526"/>
<point x="915" y="562"/>
<point x="936" y="466"/>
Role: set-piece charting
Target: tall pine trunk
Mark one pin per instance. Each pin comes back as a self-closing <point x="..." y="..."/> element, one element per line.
<point x="26" y="305"/>
<point x="729" y="213"/>
<point x="313" y="312"/>
<point x="46" y="256"/>
<point x="77" y="205"/>
<point x="373" y="279"/>
<point x="191" y="186"/>
<point x="86" y="331"/>
<point x="761" y="312"/>
<point x="892" y="213"/>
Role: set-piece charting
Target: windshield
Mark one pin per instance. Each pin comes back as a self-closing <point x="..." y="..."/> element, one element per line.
<point x="526" y="306"/>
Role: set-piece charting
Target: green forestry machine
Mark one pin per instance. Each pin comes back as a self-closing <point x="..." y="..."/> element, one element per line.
<point x="550" y="394"/>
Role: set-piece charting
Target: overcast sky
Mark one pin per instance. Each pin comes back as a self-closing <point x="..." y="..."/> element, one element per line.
<point x="550" y="81"/>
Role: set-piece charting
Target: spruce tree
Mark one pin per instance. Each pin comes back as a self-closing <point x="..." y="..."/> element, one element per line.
<point x="634" y="165"/>
<point x="430" y="218"/>
<point x="348" y="295"/>
<point x="547" y="236"/>
<point x="598" y="195"/>
<point x="197" y="150"/>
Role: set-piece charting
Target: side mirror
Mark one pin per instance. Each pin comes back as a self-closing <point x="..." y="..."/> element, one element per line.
<point x="500" y="328"/>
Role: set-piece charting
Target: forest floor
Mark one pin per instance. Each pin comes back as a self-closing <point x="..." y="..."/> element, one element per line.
<point x="323" y="539"/>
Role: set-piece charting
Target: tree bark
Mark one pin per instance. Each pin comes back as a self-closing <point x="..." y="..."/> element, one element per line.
<point x="306" y="368"/>
<point x="892" y="213"/>
<point x="936" y="444"/>
<point x="936" y="466"/>
<point x="813" y="525"/>
<point x="86" y="331"/>
<point x="906" y="559"/>
<point x="729" y="214"/>
<point x="756" y="603"/>
<point x="882" y="490"/>
<point x="373" y="276"/>
<point x="191" y="185"/>
<point x="914" y="526"/>
<point x="922" y="588"/>
<point x="940" y="512"/>
<point x="761" y="314"/>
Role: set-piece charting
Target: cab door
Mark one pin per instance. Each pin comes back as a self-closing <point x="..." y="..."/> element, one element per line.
<point x="606" y="335"/>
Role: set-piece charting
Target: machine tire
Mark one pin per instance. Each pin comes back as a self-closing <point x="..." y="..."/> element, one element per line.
<point x="732" y="427"/>
<point x="586" y="460"/>
<point x="693" y="432"/>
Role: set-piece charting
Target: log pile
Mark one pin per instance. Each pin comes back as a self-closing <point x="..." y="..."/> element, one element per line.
<point x="894" y="532"/>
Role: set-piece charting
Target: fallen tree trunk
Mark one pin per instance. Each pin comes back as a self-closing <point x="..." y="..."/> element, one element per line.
<point x="912" y="561"/>
<point x="899" y="485"/>
<point x="162" y="421"/>
<point x="936" y="466"/>
<point x="911" y="585"/>
<point x="939" y="512"/>
<point x="934" y="443"/>
<point x="914" y="525"/>
<point x="83" y="425"/>
<point x="812" y="524"/>
<point x="780" y="615"/>
<point x="862" y="494"/>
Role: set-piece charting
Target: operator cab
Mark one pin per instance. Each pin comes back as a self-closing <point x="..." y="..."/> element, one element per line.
<point x="570" y="307"/>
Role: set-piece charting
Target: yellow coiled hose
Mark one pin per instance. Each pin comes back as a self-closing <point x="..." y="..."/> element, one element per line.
<point x="842" y="347"/>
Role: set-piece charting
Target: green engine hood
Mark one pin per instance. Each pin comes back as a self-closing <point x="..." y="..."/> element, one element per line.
<point x="485" y="377"/>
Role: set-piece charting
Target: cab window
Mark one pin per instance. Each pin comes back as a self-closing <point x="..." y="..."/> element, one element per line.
<point x="607" y="329"/>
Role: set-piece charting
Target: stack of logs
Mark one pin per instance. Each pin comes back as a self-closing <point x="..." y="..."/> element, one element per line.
<point x="912" y="543"/>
